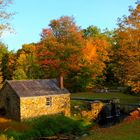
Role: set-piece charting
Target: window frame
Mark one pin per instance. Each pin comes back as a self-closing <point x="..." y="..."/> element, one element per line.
<point x="48" y="101"/>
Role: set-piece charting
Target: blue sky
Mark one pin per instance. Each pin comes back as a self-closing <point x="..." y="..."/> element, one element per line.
<point x="34" y="15"/>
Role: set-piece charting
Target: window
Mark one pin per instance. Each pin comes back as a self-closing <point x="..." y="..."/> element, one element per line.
<point x="48" y="101"/>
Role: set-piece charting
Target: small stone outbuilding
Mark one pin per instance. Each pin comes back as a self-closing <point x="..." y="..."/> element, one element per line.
<point x="22" y="99"/>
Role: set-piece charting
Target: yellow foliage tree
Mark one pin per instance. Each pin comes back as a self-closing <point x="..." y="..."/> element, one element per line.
<point x="95" y="54"/>
<point x="127" y="52"/>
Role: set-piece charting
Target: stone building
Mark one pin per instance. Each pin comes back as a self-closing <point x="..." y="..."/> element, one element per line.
<point x="21" y="99"/>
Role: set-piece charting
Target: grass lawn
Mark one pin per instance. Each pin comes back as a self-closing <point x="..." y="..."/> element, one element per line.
<point x="124" y="98"/>
<point x="123" y="131"/>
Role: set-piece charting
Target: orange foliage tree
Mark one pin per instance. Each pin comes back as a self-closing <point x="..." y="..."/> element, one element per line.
<point x="96" y="51"/>
<point x="94" y="55"/>
<point x="64" y="49"/>
<point x="60" y="47"/>
<point x="127" y="51"/>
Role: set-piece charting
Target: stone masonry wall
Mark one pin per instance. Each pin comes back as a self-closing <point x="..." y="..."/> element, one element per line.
<point x="9" y="102"/>
<point x="36" y="106"/>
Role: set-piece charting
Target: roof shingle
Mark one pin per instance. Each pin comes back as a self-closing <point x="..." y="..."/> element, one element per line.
<point x="29" y="88"/>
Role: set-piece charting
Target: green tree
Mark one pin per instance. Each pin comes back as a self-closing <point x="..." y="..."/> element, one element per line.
<point x="92" y="31"/>
<point x="8" y="65"/>
<point x="19" y="74"/>
<point x="3" y="51"/>
<point x="27" y="63"/>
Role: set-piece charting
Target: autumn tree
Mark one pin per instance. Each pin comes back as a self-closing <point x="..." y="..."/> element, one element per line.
<point x="59" y="49"/>
<point x="96" y="51"/>
<point x="109" y="75"/>
<point x="127" y="50"/>
<point x="94" y="56"/>
<point x="26" y="63"/>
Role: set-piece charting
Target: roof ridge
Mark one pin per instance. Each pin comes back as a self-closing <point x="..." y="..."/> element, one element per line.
<point x="31" y="79"/>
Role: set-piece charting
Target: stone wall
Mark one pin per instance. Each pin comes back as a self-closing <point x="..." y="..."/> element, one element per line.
<point x="36" y="106"/>
<point x="92" y="114"/>
<point x="9" y="103"/>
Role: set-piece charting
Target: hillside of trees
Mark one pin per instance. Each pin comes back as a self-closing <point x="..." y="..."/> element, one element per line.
<point x="85" y="58"/>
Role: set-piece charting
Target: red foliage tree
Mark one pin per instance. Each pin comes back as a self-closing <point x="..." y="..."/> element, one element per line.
<point x="60" y="47"/>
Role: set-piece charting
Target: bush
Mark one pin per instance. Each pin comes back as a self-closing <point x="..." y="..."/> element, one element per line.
<point x="50" y="126"/>
<point x="4" y="137"/>
<point x="53" y="125"/>
<point x="79" y="81"/>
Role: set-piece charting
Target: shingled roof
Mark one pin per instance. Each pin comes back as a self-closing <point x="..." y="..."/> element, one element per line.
<point x="29" y="88"/>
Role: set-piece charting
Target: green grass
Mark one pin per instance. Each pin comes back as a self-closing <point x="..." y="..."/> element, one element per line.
<point x="124" y="98"/>
<point x="123" y="131"/>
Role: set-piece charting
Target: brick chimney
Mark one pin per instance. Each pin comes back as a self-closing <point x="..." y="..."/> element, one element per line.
<point x="61" y="82"/>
